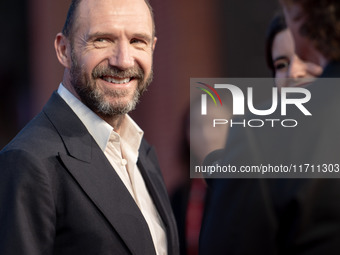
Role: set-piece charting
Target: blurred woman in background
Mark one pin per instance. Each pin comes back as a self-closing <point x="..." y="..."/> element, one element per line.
<point x="287" y="68"/>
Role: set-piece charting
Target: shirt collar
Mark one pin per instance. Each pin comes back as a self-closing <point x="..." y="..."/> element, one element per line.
<point x="99" y="129"/>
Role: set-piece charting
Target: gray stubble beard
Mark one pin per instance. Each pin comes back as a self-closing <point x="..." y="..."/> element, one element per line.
<point x="93" y="98"/>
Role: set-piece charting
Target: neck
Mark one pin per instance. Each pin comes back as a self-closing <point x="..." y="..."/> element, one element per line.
<point x="114" y="121"/>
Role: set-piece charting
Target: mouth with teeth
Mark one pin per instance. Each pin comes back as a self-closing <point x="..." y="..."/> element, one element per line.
<point x="116" y="80"/>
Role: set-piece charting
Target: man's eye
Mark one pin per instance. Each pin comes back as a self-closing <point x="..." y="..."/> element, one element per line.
<point x="135" y="40"/>
<point x="100" y="42"/>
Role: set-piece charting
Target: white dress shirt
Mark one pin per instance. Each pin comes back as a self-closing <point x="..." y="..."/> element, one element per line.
<point x="122" y="152"/>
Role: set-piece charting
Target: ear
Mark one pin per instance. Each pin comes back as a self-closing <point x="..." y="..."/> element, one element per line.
<point x="63" y="50"/>
<point x="154" y="43"/>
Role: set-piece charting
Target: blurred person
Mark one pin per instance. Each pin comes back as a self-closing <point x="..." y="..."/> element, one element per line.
<point x="80" y="178"/>
<point x="285" y="216"/>
<point x="315" y="28"/>
<point x="199" y="139"/>
<point x="282" y="59"/>
<point x="203" y="137"/>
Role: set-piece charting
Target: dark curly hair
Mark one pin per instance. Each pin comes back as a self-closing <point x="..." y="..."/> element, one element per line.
<point x="321" y="25"/>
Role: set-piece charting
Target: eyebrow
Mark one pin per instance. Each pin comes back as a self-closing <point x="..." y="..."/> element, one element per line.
<point x="143" y="36"/>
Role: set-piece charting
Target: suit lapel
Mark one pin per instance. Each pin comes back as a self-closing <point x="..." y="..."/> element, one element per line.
<point x="154" y="181"/>
<point x="92" y="171"/>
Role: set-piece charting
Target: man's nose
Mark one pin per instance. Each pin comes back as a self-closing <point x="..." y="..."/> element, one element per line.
<point x="297" y="68"/>
<point x="122" y="57"/>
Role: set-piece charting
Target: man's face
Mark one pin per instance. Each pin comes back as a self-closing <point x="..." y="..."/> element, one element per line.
<point x="111" y="52"/>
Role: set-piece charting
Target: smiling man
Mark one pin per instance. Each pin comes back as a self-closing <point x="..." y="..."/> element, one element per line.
<point x="107" y="55"/>
<point x="80" y="178"/>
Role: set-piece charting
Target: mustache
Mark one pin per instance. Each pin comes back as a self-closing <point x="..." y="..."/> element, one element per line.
<point x="135" y="72"/>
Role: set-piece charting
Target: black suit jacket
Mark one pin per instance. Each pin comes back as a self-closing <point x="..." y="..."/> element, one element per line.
<point x="60" y="195"/>
<point x="280" y="216"/>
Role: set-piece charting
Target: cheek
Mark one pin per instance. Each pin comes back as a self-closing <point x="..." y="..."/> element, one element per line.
<point x="280" y="79"/>
<point x="280" y="74"/>
<point x="93" y="58"/>
<point x="144" y="60"/>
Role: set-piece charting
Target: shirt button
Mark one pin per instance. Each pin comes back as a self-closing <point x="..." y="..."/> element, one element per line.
<point x="124" y="162"/>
